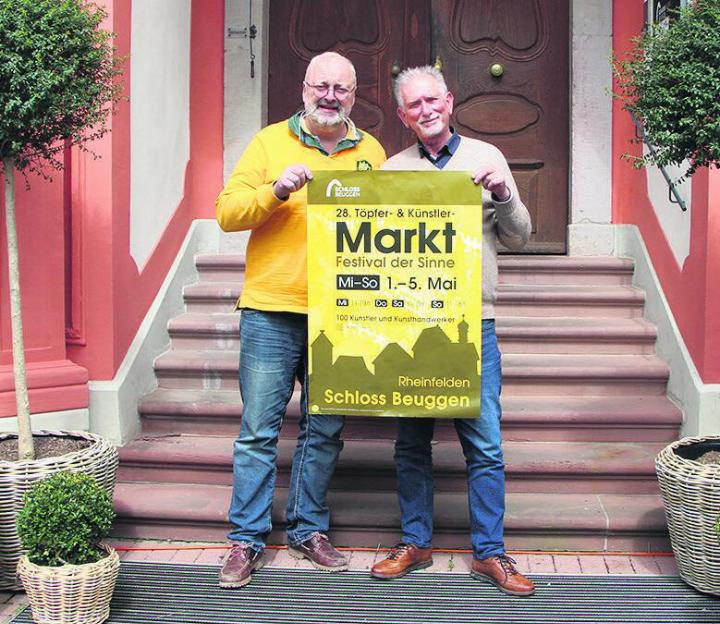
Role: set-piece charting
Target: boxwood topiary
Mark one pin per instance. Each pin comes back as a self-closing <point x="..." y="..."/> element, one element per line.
<point x="63" y="519"/>
<point x="670" y="83"/>
<point x="58" y="85"/>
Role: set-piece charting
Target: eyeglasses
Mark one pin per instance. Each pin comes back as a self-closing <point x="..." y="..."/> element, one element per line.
<point x="321" y="90"/>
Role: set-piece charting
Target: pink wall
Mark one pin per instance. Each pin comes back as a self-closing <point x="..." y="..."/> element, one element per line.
<point x="691" y="293"/>
<point x="40" y="237"/>
<point x="106" y="295"/>
<point x="114" y="296"/>
<point x="54" y="382"/>
<point x="711" y="351"/>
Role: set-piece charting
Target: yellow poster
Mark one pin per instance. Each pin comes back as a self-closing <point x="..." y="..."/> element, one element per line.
<point x="394" y="294"/>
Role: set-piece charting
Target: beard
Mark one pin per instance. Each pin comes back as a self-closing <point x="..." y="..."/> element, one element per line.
<point x="312" y="112"/>
<point x="431" y="131"/>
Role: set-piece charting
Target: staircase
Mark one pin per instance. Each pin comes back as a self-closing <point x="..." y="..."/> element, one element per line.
<point x="584" y="413"/>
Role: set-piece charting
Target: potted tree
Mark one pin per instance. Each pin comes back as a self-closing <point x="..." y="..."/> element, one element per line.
<point x="670" y="83"/>
<point x="57" y="87"/>
<point x="689" y="475"/>
<point x="68" y="574"/>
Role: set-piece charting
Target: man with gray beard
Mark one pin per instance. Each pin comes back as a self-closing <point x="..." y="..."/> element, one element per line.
<point x="425" y="106"/>
<point x="266" y="194"/>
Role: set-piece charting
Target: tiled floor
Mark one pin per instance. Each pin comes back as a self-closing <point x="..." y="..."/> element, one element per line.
<point x="450" y="562"/>
<point x="10" y="606"/>
<point x="362" y="560"/>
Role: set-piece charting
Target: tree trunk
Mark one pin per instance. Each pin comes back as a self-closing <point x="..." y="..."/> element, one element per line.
<point x="26" y="449"/>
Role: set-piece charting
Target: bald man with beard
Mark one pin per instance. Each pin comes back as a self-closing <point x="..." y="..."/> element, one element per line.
<point x="266" y="194"/>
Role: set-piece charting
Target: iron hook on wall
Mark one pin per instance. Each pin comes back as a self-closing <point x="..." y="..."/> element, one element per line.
<point x="247" y="33"/>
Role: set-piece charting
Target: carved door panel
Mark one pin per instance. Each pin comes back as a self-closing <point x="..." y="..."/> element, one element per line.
<point x="373" y="34"/>
<point x="524" y="110"/>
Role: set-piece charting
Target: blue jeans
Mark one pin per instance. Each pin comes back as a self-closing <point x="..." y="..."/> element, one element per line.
<point x="480" y="440"/>
<point x="273" y="353"/>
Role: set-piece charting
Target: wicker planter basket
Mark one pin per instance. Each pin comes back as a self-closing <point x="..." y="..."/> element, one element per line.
<point x="100" y="460"/>
<point x="70" y="594"/>
<point x="691" y="493"/>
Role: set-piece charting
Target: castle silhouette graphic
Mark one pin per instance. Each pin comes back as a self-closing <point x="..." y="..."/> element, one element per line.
<point x="437" y="366"/>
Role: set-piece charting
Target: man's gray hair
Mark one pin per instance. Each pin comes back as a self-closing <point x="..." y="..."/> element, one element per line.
<point x="406" y="75"/>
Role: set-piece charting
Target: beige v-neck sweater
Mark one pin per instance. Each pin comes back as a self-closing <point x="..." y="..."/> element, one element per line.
<point x="508" y="221"/>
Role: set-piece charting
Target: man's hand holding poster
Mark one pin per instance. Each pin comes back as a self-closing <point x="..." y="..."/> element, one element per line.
<point x="394" y="294"/>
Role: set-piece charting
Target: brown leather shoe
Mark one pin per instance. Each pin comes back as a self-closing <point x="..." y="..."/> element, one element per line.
<point x="240" y="562"/>
<point x="320" y="552"/>
<point x="402" y="559"/>
<point x="500" y="571"/>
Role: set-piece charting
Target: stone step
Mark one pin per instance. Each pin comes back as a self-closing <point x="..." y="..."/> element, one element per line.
<point x="600" y="270"/>
<point x="513" y="269"/>
<point x="595" y="467"/>
<point x="220" y="267"/>
<point x="212" y="296"/>
<point x="600" y="419"/>
<point x="512" y="299"/>
<point x="533" y="521"/>
<point x="584" y="412"/>
<point x="198" y="330"/>
<point x="523" y="374"/>
<point x="576" y="335"/>
<point x="585" y="300"/>
<point x="206" y="331"/>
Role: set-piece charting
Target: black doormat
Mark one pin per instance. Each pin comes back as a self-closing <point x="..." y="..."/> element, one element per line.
<point x="186" y="594"/>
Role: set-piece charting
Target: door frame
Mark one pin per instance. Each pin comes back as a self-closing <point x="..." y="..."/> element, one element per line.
<point x="590" y="166"/>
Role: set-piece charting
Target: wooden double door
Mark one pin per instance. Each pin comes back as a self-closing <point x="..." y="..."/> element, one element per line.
<point x="506" y="62"/>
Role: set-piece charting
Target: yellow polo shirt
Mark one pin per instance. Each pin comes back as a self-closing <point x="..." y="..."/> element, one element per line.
<point x="276" y="261"/>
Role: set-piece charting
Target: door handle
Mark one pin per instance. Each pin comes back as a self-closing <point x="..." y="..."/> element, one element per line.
<point x="496" y="70"/>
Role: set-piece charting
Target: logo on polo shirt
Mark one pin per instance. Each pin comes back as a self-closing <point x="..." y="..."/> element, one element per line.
<point x="336" y="189"/>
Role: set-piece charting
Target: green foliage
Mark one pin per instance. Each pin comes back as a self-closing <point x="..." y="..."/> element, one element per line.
<point x="671" y="83"/>
<point x="57" y="78"/>
<point x="63" y="519"/>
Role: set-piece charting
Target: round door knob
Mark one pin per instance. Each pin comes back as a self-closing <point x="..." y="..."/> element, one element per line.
<point x="395" y="69"/>
<point x="496" y="70"/>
